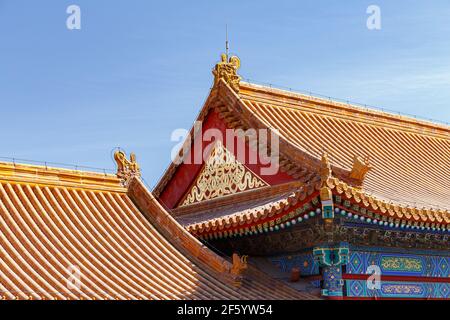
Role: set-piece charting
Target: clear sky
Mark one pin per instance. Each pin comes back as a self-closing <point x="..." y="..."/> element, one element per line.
<point x="137" y="70"/>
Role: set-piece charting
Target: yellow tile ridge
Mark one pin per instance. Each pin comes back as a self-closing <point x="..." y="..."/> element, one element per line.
<point x="389" y="209"/>
<point x="274" y="95"/>
<point x="232" y="199"/>
<point x="371" y="203"/>
<point x="258" y="213"/>
<point x="51" y="176"/>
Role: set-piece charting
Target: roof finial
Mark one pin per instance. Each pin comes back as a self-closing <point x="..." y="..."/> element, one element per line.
<point x="325" y="168"/>
<point x="227" y="47"/>
<point x="126" y="169"/>
<point x="227" y="69"/>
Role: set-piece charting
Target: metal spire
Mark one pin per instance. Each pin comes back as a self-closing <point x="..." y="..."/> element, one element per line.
<point x="226" y="40"/>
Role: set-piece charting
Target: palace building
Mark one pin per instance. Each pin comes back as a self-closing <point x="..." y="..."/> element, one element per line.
<point x="358" y="208"/>
<point x="70" y="235"/>
<point x="360" y="194"/>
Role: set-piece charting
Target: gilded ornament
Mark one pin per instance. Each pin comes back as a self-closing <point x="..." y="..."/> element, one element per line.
<point x="227" y="69"/>
<point x="360" y="168"/>
<point x="402" y="289"/>
<point x="238" y="268"/>
<point x="222" y="175"/>
<point x="401" y="264"/>
<point x="126" y="169"/>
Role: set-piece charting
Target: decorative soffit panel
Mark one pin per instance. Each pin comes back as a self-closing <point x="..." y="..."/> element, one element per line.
<point x="221" y="175"/>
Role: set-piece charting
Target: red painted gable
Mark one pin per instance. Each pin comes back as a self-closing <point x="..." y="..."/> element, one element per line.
<point x="188" y="171"/>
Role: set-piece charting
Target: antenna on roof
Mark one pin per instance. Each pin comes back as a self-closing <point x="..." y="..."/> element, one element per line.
<point x="227" y="47"/>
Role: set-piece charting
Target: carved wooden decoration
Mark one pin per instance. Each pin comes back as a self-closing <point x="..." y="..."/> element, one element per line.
<point x="222" y="175"/>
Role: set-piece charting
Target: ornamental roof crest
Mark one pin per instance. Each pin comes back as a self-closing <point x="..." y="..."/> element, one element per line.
<point x="227" y="69"/>
<point x="360" y="168"/>
<point x="325" y="168"/>
<point x="126" y="169"/>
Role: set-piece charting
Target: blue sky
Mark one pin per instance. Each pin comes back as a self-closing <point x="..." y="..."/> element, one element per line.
<point x="137" y="70"/>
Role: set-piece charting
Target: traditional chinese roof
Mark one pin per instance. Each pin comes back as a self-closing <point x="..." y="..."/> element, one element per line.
<point x="242" y="210"/>
<point x="399" y="165"/>
<point x="57" y="226"/>
<point x="410" y="158"/>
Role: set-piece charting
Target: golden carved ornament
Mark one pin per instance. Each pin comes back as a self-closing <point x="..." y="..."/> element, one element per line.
<point x="392" y="210"/>
<point x="238" y="268"/>
<point x="360" y="168"/>
<point x="325" y="168"/>
<point x="222" y="175"/>
<point x="126" y="169"/>
<point x="227" y="69"/>
<point x="239" y="264"/>
<point x="401" y="264"/>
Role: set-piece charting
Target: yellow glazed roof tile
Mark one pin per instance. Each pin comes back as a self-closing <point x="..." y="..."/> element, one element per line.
<point x="410" y="158"/>
<point x="87" y="237"/>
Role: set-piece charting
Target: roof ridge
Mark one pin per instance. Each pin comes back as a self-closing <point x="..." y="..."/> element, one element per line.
<point x="394" y="116"/>
<point x="56" y="165"/>
<point x="258" y="194"/>
<point x="12" y="172"/>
